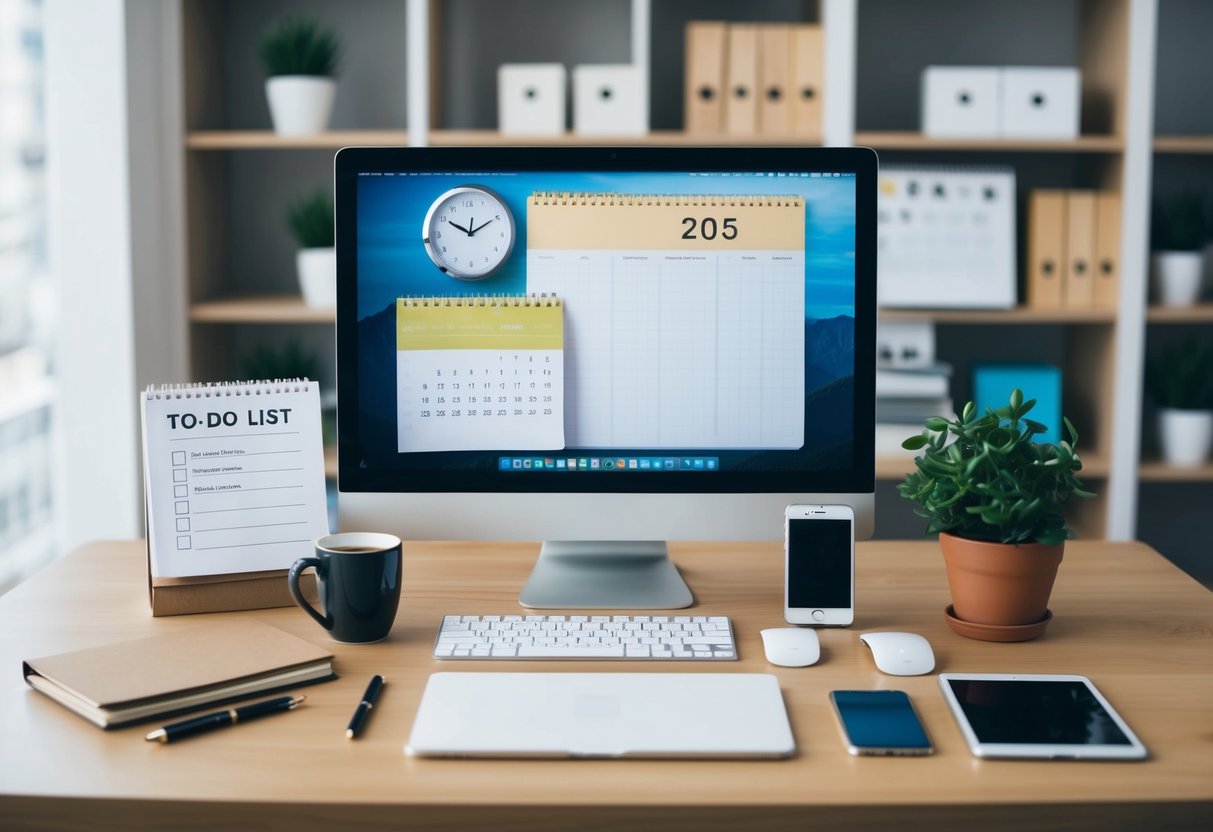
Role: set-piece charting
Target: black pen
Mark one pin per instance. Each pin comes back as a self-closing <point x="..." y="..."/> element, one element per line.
<point x="364" y="707"/>
<point x="219" y="719"/>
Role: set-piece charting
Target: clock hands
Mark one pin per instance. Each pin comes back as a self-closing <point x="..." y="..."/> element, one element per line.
<point x="472" y="227"/>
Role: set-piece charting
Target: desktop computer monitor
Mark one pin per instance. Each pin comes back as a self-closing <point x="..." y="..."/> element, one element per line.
<point x="603" y="349"/>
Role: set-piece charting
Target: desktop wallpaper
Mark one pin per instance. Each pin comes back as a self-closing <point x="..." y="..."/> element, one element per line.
<point x="393" y="263"/>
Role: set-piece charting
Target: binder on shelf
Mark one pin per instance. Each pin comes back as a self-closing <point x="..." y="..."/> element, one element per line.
<point x="217" y="460"/>
<point x="774" y="75"/>
<point x="1078" y="287"/>
<point x="806" y="87"/>
<point x="1107" y="248"/>
<point x="741" y="79"/>
<point x="1046" y="247"/>
<point x="705" y="55"/>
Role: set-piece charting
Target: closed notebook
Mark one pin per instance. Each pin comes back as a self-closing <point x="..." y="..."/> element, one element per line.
<point x="178" y="671"/>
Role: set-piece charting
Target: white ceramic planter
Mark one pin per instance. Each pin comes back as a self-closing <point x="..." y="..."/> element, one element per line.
<point x="1186" y="436"/>
<point x="1177" y="277"/>
<point x="300" y="104"/>
<point x="317" y="276"/>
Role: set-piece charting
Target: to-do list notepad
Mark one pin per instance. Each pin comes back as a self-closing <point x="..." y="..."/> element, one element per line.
<point x="479" y="373"/>
<point x="234" y="476"/>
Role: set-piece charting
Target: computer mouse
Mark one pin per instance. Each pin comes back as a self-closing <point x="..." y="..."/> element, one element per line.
<point x="791" y="646"/>
<point x="900" y="654"/>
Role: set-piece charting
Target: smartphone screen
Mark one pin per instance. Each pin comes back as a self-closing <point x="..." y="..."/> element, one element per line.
<point x="880" y="722"/>
<point x="819" y="563"/>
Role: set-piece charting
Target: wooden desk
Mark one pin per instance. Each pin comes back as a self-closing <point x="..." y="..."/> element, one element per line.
<point x="1141" y="629"/>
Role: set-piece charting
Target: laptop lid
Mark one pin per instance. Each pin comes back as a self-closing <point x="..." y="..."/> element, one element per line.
<point x="609" y="715"/>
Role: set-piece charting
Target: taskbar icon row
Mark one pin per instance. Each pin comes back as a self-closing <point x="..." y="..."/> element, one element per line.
<point x="616" y="463"/>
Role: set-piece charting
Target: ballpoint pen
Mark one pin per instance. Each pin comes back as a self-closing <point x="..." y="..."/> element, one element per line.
<point x="364" y="707"/>
<point x="219" y="719"/>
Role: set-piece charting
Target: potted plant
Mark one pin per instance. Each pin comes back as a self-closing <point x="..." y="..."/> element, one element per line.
<point x="996" y="498"/>
<point x="311" y="223"/>
<point x="1180" y="380"/>
<point x="1178" y="236"/>
<point x="300" y="59"/>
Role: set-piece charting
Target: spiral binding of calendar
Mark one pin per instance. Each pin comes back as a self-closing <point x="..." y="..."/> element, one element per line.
<point x="484" y="300"/>
<point x="665" y="200"/>
<point x="218" y="389"/>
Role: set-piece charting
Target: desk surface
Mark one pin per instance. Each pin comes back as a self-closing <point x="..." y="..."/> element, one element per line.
<point x="1124" y="616"/>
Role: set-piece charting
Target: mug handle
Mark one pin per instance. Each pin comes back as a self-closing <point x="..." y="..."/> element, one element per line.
<point x="292" y="582"/>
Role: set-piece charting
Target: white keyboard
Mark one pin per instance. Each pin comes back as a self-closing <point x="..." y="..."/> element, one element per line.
<point x="642" y="637"/>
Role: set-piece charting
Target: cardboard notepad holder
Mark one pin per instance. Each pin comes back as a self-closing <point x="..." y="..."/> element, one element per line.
<point x="223" y="593"/>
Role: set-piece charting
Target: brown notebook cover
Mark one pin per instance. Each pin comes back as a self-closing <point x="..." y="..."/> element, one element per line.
<point x="190" y="668"/>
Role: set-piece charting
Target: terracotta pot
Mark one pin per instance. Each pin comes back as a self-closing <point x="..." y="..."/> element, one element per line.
<point x="999" y="583"/>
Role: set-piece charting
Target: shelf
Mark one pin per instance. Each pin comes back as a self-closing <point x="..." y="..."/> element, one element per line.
<point x="1018" y="315"/>
<point x="269" y="309"/>
<point x="1202" y="313"/>
<point x="1183" y="144"/>
<point x="332" y="140"/>
<point x="909" y="140"/>
<point x="1158" y="471"/>
<point x="269" y="140"/>
<point x="1094" y="466"/>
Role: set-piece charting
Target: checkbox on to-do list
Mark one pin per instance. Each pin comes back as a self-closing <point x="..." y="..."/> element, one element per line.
<point x="183" y="524"/>
<point x="179" y="490"/>
<point x="182" y="507"/>
<point x="178" y="457"/>
<point x="183" y="541"/>
<point x="178" y="475"/>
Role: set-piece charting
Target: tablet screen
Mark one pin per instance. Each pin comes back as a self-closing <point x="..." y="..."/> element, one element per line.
<point x="1035" y="712"/>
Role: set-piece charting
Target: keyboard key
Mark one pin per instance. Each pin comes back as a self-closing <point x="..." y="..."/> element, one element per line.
<point x="537" y="652"/>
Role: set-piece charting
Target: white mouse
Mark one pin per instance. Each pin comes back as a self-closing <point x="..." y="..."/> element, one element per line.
<point x="900" y="654"/>
<point x="791" y="646"/>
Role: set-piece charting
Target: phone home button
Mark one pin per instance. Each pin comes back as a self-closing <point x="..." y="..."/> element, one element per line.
<point x="818" y="615"/>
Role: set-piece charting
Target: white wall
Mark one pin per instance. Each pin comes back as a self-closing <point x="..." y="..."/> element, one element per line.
<point x="109" y="223"/>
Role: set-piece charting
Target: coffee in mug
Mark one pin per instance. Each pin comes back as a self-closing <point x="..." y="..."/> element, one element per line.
<point x="359" y="583"/>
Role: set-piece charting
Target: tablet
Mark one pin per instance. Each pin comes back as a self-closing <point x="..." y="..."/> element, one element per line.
<point x="1038" y="717"/>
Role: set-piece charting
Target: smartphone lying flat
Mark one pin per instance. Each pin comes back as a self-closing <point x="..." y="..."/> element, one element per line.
<point x="880" y="722"/>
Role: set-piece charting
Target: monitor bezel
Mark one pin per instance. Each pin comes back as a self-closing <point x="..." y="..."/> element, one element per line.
<point x="861" y="162"/>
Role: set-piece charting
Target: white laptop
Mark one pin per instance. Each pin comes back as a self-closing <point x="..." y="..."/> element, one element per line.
<point x="601" y="715"/>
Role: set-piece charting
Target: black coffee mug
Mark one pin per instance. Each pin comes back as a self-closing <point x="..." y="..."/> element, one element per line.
<point x="359" y="581"/>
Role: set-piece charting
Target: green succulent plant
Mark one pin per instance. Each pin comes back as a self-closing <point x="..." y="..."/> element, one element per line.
<point x="299" y="46"/>
<point x="311" y="220"/>
<point x="1181" y="375"/>
<point x="991" y="481"/>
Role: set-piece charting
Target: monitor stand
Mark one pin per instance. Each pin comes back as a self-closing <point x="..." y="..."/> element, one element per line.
<point x="605" y="575"/>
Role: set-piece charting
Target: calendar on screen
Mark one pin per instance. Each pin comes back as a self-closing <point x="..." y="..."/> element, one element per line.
<point x="479" y="373"/>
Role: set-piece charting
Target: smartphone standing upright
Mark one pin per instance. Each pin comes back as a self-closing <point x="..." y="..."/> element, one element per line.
<point x="819" y="565"/>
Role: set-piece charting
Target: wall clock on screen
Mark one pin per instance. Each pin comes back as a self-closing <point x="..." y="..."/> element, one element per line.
<point x="469" y="232"/>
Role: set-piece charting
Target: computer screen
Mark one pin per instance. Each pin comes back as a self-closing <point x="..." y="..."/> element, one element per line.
<point x="559" y="323"/>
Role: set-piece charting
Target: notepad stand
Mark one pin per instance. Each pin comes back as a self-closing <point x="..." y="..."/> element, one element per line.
<point x="223" y="593"/>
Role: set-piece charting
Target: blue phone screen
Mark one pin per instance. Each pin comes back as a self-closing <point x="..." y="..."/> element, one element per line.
<point x="880" y="719"/>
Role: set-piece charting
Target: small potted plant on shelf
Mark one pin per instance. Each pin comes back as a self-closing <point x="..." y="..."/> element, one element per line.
<point x="1178" y="234"/>
<point x="996" y="498"/>
<point x="311" y="223"/>
<point x="1180" y="380"/>
<point x="300" y="59"/>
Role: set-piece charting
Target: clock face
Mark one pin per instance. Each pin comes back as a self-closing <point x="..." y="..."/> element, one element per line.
<point x="469" y="232"/>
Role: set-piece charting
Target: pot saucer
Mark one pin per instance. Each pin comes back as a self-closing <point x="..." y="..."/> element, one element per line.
<point x="997" y="632"/>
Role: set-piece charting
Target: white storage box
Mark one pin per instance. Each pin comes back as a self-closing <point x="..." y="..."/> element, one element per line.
<point x="530" y="98"/>
<point x="960" y="101"/>
<point x="609" y="99"/>
<point x="1040" y="102"/>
